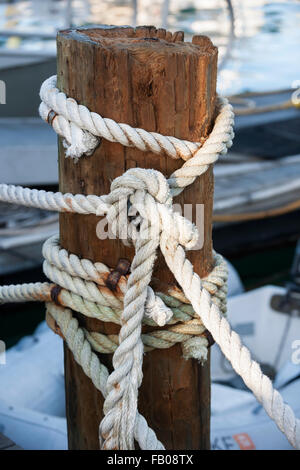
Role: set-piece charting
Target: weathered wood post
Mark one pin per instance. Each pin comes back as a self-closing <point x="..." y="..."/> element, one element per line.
<point x="151" y="79"/>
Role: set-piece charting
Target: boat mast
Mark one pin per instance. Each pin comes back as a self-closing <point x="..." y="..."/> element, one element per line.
<point x="68" y="14"/>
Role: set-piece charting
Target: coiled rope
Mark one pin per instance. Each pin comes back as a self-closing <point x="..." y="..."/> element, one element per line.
<point x="155" y="226"/>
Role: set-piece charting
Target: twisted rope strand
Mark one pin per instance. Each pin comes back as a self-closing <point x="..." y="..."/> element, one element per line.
<point x="139" y="210"/>
<point x="230" y="343"/>
<point x="50" y="201"/>
<point x="82" y="129"/>
<point x="218" y="142"/>
<point x="97" y="372"/>
<point x="121" y="403"/>
<point x="157" y="339"/>
<point x="40" y="291"/>
<point x="69" y="270"/>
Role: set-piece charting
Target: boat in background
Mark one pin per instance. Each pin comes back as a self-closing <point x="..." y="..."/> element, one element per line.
<point x="268" y="320"/>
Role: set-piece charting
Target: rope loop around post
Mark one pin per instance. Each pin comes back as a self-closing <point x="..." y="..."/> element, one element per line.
<point x="82" y="129"/>
<point x="140" y="199"/>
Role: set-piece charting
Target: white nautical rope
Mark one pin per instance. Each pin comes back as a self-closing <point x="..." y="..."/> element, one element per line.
<point x="40" y="291"/>
<point x="72" y="265"/>
<point x="80" y="276"/>
<point x="97" y="372"/>
<point x="173" y="250"/>
<point x="152" y="196"/>
<point x="183" y="333"/>
<point x="161" y="339"/>
<point x="217" y="143"/>
<point x="69" y="272"/>
<point x="145" y="196"/>
<point x="229" y="341"/>
<point x="48" y="200"/>
<point x="82" y="129"/>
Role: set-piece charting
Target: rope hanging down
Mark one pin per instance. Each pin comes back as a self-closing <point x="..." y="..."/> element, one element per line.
<point x="153" y="224"/>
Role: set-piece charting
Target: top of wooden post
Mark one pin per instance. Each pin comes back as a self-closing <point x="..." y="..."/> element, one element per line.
<point x="151" y="56"/>
<point x="147" y="36"/>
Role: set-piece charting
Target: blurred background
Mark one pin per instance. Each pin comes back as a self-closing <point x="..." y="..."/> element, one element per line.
<point x="259" y="38"/>
<point x="256" y="222"/>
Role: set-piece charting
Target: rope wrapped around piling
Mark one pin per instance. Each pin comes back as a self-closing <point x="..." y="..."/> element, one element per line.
<point x="141" y="201"/>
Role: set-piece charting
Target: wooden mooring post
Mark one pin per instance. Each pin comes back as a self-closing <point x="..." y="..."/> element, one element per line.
<point x="152" y="79"/>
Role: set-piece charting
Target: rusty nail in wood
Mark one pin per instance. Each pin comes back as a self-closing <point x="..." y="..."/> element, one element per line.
<point x="57" y="331"/>
<point x="209" y="338"/>
<point x="51" y="116"/>
<point x="114" y="276"/>
<point x="51" y="322"/>
<point x="55" y="291"/>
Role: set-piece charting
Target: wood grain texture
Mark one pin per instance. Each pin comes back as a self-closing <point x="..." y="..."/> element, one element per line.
<point x="151" y="79"/>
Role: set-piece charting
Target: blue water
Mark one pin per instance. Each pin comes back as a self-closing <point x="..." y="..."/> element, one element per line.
<point x="265" y="54"/>
<point x="269" y="58"/>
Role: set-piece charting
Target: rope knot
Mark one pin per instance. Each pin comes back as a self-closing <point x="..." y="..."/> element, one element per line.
<point x="150" y="181"/>
<point x="140" y="206"/>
